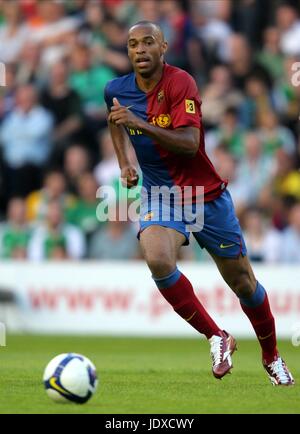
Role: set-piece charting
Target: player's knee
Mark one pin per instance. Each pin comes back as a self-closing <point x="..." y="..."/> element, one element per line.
<point x="161" y="265"/>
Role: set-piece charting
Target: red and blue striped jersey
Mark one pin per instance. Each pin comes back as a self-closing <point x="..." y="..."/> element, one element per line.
<point x="173" y="103"/>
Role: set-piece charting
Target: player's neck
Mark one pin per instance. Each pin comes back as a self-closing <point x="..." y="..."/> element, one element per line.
<point x="148" y="84"/>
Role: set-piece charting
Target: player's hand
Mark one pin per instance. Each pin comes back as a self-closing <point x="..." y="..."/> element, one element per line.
<point x="129" y="176"/>
<point x="121" y="115"/>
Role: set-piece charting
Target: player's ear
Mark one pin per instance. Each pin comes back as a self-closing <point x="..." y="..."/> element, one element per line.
<point x="164" y="48"/>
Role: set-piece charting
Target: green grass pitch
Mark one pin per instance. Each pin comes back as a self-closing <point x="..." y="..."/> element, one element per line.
<point x="146" y="376"/>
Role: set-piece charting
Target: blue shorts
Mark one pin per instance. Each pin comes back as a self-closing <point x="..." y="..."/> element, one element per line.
<point x="221" y="233"/>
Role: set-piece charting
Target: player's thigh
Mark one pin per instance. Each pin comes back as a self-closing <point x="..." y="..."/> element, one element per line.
<point x="221" y="233"/>
<point x="160" y="246"/>
<point x="237" y="273"/>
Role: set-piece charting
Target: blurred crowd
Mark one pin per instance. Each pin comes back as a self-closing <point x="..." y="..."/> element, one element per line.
<point x="55" y="150"/>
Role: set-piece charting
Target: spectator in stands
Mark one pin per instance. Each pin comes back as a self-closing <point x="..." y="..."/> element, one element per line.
<point x="54" y="239"/>
<point x="255" y="169"/>
<point x="76" y="8"/>
<point x="8" y="93"/>
<point x="64" y="104"/>
<point x="258" y="100"/>
<point x="275" y="136"/>
<point x="3" y="193"/>
<point x="29" y="7"/>
<point x="83" y="213"/>
<point x="1" y="13"/>
<point x="270" y="56"/>
<point x="212" y="27"/>
<point x="115" y="241"/>
<point x="25" y="136"/>
<point x="286" y="181"/>
<point x="77" y="162"/>
<point x="52" y="29"/>
<point x="283" y="190"/>
<point x="242" y="63"/>
<point x="247" y="16"/>
<point x="226" y="166"/>
<point x="13" y="33"/>
<point x="107" y="38"/>
<point x="177" y="27"/>
<point x="219" y="95"/>
<point x="291" y="237"/>
<point x="263" y="242"/>
<point x="54" y="188"/>
<point x="92" y="29"/>
<point x="288" y="23"/>
<point x="15" y="233"/>
<point x="287" y="96"/>
<point x="29" y="68"/>
<point x="89" y="81"/>
<point x="219" y="10"/>
<point x="229" y="133"/>
<point x="120" y="10"/>
<point x="148" y="11"/>
<point x="107" y="170"/>
<point x="115" y="54"/>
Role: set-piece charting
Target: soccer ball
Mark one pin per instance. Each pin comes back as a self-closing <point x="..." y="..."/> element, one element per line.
<point x="70" y="377"/>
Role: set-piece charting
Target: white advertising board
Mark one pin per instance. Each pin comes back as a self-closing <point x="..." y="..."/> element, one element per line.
<point x="121" y="299"/>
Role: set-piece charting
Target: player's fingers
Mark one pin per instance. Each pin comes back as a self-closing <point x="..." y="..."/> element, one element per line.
<point x="130" y="184"/>
<point x="115" y="109"/>
<point x="114" y="117"/>
<point x="120" y="118"/>
<point x="133" y="181"/>
<point x="120" y="122"/>
<point x="111" y="119"/>
<point x="127" y="183"/>
<point x="116" y="102"/>
<point x="133" y="175"/>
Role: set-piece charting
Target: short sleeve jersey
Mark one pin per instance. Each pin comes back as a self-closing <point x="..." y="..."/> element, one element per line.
<point x="173" y="103"/>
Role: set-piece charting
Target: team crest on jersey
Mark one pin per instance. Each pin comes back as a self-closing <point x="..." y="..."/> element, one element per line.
<point x="190" y="106"/>
<point x="164" y="121"/>
<point x="148" y="217"/>
<point x="161" y="96"/>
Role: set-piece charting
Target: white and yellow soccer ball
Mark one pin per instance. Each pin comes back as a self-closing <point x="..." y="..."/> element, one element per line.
<point x="70" y="378"/>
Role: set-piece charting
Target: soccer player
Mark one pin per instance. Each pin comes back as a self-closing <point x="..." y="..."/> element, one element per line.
<point x="158" y="108"/>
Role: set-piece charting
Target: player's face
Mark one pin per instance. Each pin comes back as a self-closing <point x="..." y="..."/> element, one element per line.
<point x="145" y="50"/>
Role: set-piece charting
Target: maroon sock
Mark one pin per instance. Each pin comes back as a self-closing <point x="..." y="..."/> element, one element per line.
<point x="178" y="291"/>
<point x="263" y="323"/>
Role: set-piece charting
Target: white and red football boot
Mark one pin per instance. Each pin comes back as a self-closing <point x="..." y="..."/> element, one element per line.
<point x="221" y="349"/>
<point x="279" y="373"/>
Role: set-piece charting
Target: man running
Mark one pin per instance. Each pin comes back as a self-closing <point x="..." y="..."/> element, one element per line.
<point x="158" y="108"/>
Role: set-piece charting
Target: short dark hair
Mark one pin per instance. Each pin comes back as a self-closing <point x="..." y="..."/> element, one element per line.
<point x="147" y="23"/>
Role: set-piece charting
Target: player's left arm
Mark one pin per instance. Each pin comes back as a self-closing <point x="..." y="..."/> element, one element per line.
<point x="183" y="140"/>
<point x="185" y="137"/>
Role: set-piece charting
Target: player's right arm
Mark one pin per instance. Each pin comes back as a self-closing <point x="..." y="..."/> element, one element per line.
<point x="129" y="173"/>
